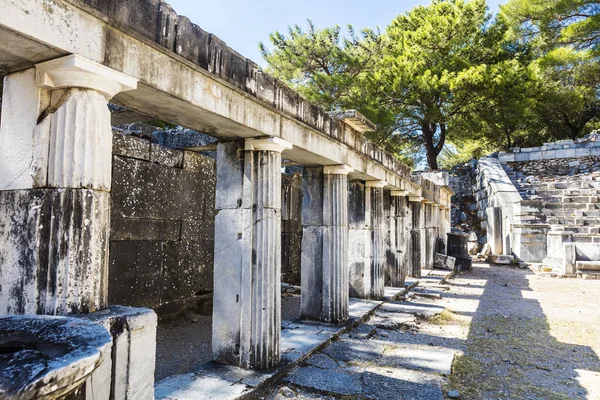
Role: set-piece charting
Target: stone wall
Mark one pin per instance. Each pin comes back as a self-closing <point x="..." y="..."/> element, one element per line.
<point x="162" y="226"/>
<point x="557" y="166"/>
<point x="579" y="149"/>
<point x="291" y="226"/>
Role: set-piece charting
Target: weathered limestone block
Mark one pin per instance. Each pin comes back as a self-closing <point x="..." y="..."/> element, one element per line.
<point x="494" y="229"/>
<point x="247" y="276"/>
<point x="48" y="237"/>
<point x="500" y="259"/>
<point x="443" y="261"/>
<point x="128" y="372"/>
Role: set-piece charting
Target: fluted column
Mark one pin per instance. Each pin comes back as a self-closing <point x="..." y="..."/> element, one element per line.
<point x="416" y="248"/>
<point x="247" y="276"/>
<point x="398" y="233"/>
<point x="55" y="197"/>
<point x="325" y="243"/>
<point x="375" y="206"/>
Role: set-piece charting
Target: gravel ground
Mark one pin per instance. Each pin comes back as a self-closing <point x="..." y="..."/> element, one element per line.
<point x="515" y="335"/>
<point x="183" y="343"/>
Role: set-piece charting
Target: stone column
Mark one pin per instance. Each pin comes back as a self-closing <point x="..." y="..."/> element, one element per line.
<point x="55" y="159"/>
<point x="247" y="275"/>
<point x="374" y="200"/>
<point x="416" y="249"/>
<point x="398" y="238"/>
<point x="494" y="229"/>
<point x="325" y="243"/>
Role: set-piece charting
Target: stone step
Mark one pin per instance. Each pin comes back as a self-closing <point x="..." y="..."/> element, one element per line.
<point x="588" y="230"/>
<point x="587" y="274"/>
<point x="588" y="265"/>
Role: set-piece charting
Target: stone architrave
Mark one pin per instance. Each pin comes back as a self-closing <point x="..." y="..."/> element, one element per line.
<point x="247" y="276"/>
<point x="56" y="157"/>
<point x="325" y="243"/>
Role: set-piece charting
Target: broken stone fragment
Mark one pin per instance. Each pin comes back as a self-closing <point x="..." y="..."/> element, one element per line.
<point x="500" y="259"/>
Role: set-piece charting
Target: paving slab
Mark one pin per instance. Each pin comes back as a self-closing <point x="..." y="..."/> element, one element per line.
<point x="400" y="384"/>
<point x="335" y="381"/>
<point x="422" y="310"/>
<point x="298" y="340"/>
<point x="423" y="358"/>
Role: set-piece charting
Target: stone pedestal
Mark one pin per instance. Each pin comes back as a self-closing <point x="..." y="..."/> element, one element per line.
<point x="325" y="243"/>
<point x="56" y="152"/>
<point x="494" y="229"/>
<point x="247" y="275"/>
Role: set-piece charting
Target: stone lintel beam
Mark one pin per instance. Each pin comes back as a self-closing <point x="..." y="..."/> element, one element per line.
<point x="415" y="199"/>
<point x="398" y="193"/>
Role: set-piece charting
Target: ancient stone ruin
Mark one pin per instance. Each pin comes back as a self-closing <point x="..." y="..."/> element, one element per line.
<point x="112" y="221"/>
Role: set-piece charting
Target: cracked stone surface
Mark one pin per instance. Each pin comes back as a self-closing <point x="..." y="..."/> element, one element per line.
<point x="381" y="358"/>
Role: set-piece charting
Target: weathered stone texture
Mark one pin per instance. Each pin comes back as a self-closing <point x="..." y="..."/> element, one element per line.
<point x="291" y="228"/>
<point x="47" y="237"/>
<point x="162" y="226"/>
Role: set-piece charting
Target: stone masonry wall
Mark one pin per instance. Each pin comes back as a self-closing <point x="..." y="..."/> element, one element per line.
<point x="291" y="227"/>
<point x="557" y="166"/>
<point x="162" y="226"/>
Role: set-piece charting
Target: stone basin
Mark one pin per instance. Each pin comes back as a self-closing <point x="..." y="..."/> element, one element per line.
<point x="45" y="357"/>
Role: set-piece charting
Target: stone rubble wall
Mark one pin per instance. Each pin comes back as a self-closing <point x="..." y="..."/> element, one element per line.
<point x="557" y="166"/>
<point x="291" y="227"/>
<point x="579" y="149"/>
<point x="162" y="226"/>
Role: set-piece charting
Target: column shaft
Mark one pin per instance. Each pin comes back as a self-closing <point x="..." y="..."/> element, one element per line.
<point x="378" y="233"/>
<point x="247" y="277"/>
<point x="325" y="245"/>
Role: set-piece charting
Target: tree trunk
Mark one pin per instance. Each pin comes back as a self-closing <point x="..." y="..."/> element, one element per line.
<point x="430" y="149"/>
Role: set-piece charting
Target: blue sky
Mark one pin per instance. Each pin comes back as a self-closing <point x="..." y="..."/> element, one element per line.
<point x="242" y="24"/>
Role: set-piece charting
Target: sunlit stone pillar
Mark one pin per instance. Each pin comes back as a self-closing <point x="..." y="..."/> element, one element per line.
<point x="416" y="248"/>
<point x="247" y="276"/>
<point x="55" y="178"/>
<point x="374" y="200"/>
<point x="325" y="243"/>
<point x="398" y="238"/>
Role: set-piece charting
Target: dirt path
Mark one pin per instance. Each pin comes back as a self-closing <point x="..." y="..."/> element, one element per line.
<point x="530" y="337"/>
<point x="513" y="334"/>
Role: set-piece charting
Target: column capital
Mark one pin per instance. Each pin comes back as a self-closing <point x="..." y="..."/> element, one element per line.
<point x="77" y="71"/>
<point x="415" y="199"/>
<point x="399" y="193"/>
<point x="267" y="144"/>
<point x="375" y="184"/>
<point x="342" y="169"/>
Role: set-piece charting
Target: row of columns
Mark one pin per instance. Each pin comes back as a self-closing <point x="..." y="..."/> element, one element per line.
<point x="56" y="154"/>
<point x="351" y="245"/>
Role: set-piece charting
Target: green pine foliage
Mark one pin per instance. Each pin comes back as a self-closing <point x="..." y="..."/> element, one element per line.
<point x="451" y="72"/>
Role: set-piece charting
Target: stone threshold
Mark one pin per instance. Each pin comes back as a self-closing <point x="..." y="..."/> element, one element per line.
<point x="299" y="340"/>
